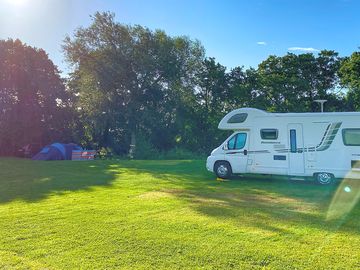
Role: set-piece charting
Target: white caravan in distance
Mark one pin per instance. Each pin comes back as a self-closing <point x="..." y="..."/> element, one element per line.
<point x="301" y="145"/>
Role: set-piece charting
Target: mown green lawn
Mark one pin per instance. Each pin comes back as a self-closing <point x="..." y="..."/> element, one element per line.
<point x="169" y="214"/>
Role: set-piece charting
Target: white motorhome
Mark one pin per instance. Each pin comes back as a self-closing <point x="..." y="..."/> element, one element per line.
<point x="301" y="145"/>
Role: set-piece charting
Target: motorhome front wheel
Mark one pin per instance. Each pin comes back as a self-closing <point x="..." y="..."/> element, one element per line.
<point x="223" y="169"/>
<point x="324" y="178"/>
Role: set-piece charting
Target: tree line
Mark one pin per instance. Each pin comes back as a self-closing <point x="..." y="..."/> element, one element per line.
<point x="132" y="89"/>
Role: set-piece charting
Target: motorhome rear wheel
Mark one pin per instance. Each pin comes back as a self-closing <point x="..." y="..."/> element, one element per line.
<point x="324" y="178"/>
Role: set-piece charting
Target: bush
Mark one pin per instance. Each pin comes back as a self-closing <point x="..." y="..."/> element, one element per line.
<point x="180" y="153"/>
<point x="105" y="153"/>
<point x="144" y="149"/>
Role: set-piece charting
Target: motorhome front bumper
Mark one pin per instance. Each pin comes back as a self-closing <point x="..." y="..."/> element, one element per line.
<point x="210" y="163"/>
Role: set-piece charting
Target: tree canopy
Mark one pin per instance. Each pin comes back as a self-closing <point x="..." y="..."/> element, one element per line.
<point x="131" y="85"/>
<point x="350" y="78"/>
<point x="33" y="100"/>
<point x="130" y="81"/>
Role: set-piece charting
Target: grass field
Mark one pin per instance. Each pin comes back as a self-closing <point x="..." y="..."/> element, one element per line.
<point x="167" y="214"/>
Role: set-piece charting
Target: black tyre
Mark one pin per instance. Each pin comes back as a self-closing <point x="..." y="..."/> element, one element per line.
<point x="324" y="178"/>
<point x="222" y="169"/>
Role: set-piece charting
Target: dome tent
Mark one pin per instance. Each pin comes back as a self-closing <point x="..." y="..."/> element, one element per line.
<point x="57" y="151"/>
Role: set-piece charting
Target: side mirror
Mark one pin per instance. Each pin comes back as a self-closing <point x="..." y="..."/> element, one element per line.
<point x="225" y="147"/>
<point x="245" y="152"/>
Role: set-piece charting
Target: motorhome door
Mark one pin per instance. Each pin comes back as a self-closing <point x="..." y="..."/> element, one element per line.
<point x="237" y="151"/>
<point x="296" y="153"/>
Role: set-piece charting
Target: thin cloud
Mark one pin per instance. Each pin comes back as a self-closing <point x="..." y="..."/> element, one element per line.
<point x="261" y="43"/>
<point x="302" y="49"/>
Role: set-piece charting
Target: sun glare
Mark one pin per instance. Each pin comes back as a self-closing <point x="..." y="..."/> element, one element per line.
<point x="18" y="2"/>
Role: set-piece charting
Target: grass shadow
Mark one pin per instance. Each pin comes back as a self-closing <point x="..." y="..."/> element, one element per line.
<point x="256" y="200"/>
<point x="32" y="181"/>
<point x="262" y="198"/>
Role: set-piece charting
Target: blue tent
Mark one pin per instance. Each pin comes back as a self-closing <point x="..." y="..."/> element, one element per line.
<point x="56" y="151"/>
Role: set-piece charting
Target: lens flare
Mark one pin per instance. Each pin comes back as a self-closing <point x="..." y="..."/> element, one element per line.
<point x="345" y="199"/>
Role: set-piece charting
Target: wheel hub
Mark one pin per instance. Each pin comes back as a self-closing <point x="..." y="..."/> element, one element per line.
<point x="324" y="178"/>
<point x="222" y="170"/>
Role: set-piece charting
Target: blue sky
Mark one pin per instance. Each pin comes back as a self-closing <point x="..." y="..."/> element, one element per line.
<point x="236" y="33"/>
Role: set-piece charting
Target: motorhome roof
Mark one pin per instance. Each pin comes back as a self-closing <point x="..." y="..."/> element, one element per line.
<point x="241" y="118"/>
<point x="257" y="112"/>
<point x="316" y="114"/>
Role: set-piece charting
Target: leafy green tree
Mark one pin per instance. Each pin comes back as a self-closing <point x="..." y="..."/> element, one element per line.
<point x="212" y="94"/>
<point x="350" y="78"/>
<point x="244" y="89"/>
<point x="293" y="82"/>
<point x="33" y="101"/>
<point x="129" y="81"/>
<point x="212" y="90"/>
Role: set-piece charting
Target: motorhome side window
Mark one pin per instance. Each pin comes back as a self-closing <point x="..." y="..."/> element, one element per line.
<point x="237" y="118"/>
<point x="237" y="141"/>
<point x="351" y="136"/>
<point x="269" y="134"/>
<point x="293" y="146"/>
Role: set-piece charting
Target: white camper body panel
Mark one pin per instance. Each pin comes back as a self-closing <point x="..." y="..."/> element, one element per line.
<point x="301" y="144"/>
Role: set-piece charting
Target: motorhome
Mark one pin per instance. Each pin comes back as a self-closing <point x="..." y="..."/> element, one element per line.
<point x="323" y="146"/>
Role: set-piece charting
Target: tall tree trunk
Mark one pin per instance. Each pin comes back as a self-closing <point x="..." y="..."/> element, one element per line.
<point x="132" y="145"/>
